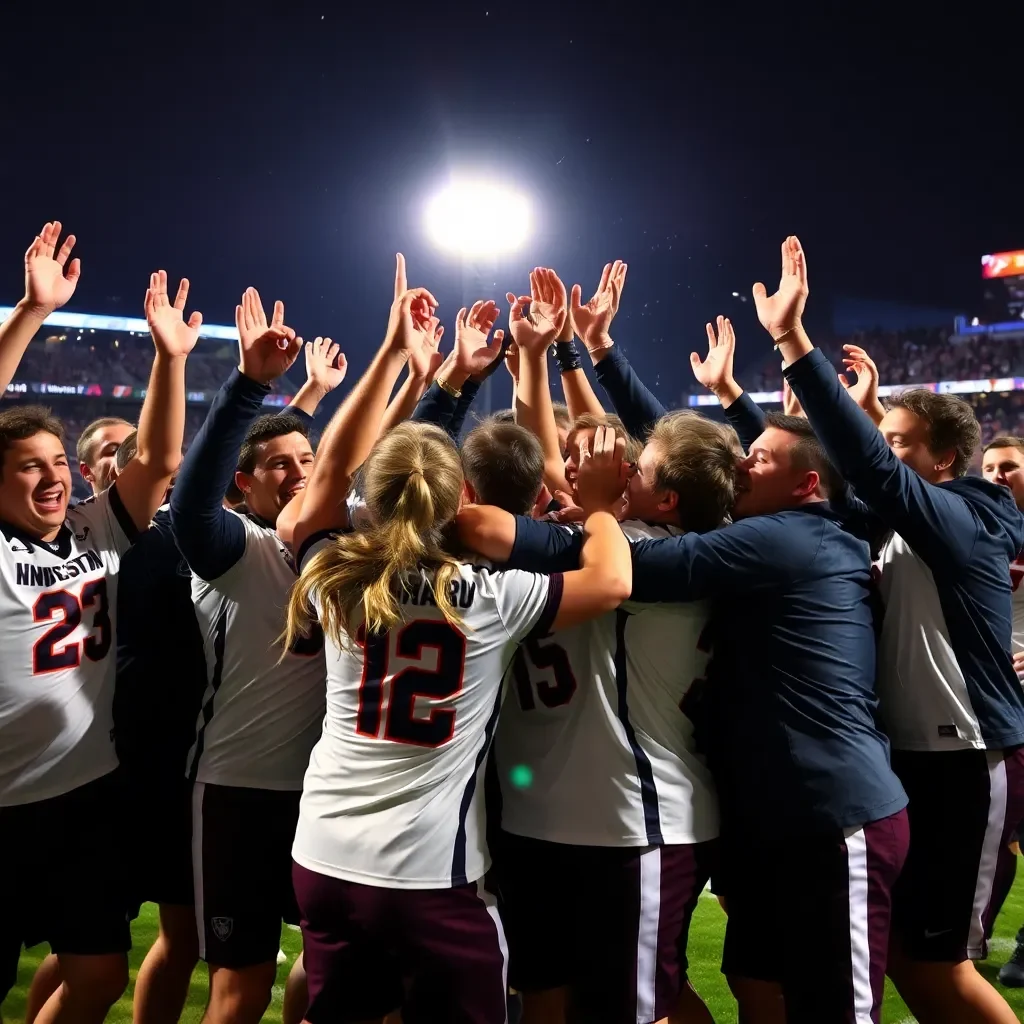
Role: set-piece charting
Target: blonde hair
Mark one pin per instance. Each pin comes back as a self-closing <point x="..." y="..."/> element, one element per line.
<point x="590" y="421"/>
<point x="412" y="487"/>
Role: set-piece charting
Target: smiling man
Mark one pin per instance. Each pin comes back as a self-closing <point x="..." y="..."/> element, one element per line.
<point x="97" y="451"/>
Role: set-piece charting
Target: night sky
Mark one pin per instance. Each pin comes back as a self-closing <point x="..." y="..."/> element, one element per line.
<point x="292" y="146"/>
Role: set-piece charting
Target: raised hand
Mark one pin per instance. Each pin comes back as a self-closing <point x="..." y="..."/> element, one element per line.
<point x="172" y="334"/>
<point x="473" y="354"/>
<point x="714" y="371"/>
<point x="780" y="313"/>
<point x="48" y="285"/>
<point x="266" y="350"/>
<point x="592" y="320"/>
<point x="548" y="310"/>
<point x="425" y="358"/>
<point x="603" y="475"/>
<point x="865" y="391"/>
<point x="512" y="361"/>
<point x="326" y="364"/>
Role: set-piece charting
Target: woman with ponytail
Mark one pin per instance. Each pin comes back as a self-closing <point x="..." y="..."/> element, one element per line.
<point x="389" y="854"/>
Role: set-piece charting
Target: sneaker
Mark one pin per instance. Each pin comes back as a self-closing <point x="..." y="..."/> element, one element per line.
<point x="1011" y="974"/>
<point x="282" y="958"/>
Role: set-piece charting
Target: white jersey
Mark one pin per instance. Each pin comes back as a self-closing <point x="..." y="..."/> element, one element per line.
<point x="593" y="746"/>
<point x="58" y="652"/>
<point x="394" y="792"/>
<point x="922" y="694"/>
<point x="1016" y="575"/>
<point x="260" y="717"/>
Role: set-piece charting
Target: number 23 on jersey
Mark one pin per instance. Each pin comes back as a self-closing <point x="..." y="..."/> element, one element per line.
<point x="421" y="659"/>
<point x="51" y="652"/>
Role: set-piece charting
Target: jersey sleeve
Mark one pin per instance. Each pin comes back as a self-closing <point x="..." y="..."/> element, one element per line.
<point x="638" y="409"/>
<point x="527" y="602"/>
<point x="545" y="547"/>
<point x="747" y="419"/>
<point x="107" y="518"/>
<point x="934" y="521"/>
<point x="314" y="544"/>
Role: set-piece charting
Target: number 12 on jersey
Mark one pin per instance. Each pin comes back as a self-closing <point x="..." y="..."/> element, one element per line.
<point x="430" y="643"/>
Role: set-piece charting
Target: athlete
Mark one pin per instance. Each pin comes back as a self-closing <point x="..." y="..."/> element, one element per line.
<point x="261" y="714"/>
<point x="952" y="706"/>
<point x="97" y="450"/>
<point x="59" y="784"/>
<point x="390" y="852"/>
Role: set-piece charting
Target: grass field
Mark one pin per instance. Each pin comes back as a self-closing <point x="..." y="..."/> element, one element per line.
<point x="704" y="951"/>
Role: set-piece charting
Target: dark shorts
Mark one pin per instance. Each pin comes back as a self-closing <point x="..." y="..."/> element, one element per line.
<point x="64" y="861"/>
<point x="813" y="915"/>
<point x="241" y="866"/>
<point x="362" y="944"/>
<point x="160" y="811"/>
<point x="611" y="923"/>
<point x="964" y="806"/>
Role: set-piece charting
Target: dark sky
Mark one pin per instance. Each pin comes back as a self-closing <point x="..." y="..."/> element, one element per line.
<point x="292" y="146"/>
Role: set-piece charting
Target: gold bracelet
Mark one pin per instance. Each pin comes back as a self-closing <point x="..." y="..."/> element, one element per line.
<point x="447" y="388"/>
<point x="778" y="340"/>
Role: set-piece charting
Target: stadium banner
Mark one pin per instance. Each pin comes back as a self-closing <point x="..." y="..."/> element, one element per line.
<point x="942" y="387"/>
<point x="121" y="391"/>
<point x="131" y="324"/>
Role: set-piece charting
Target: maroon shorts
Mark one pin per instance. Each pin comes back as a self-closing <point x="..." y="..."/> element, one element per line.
<point x="241" y="865"/>
<point x="64" y="863"/>
<point x="363" y="944"/>
<point x="611" y="923"/>
<point x="964" y="806"/>
<point x="813" y="915"/>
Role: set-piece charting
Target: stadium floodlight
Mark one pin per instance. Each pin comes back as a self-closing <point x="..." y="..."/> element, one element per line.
<point x="473" y="218"/>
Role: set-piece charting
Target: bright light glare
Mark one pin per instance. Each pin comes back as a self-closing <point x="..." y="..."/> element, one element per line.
<point x="475" y="218"/>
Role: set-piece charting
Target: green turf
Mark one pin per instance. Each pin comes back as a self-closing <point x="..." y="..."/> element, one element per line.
<point x="704" y="951"/>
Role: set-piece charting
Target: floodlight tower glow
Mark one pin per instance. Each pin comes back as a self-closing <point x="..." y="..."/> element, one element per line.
<point x="473" y="218"/>
<point x="478" y="221"/>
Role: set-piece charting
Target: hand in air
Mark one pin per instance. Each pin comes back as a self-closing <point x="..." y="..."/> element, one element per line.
<point x="865" y="391"/>
<point x="48" y="285"/>
<point x="172" y="334"/>
<point x="473" y="354"/>
<point x="715" y="370"/>
<point x="781" y="312"/>
<point x="592" y="320"/>
<point x="603" y="474"/>
<point x="412" y="326"/>
<point x="266" y="349"/>
<point x="326" y="364"/>
<point x="548" y="310"/>
<point x="512" y="361"/>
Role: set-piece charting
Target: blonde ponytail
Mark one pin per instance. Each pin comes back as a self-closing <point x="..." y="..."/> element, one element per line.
<point x="413" y="483"/>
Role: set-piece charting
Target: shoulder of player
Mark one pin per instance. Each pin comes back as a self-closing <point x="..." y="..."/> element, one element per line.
<point x="992" y="507"/>
<point x="635" y="530"/>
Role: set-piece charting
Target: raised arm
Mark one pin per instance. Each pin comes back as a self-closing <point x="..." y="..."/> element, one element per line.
<point x="533" y="335"/>
<point x="933" y="520"/>
<point x="326" y="366"/>
<point x="579" y="395"/>
<point x="210" y="538"/>
<point x="354" y="428"/>
<point x="143" y="483"/>
<point x="49" y="283"/>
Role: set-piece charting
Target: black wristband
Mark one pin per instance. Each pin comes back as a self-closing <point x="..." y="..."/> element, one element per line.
<point x="566" y="355"/>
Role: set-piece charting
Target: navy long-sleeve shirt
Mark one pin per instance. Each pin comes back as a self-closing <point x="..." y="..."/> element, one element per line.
<point x="789" y="705"/>
<point x="946" y="679"/>
<point x="437" y="406"/>
<point x="161" y="667"/>
<point x="638" y="409"/>
<point x="211" y="538"/>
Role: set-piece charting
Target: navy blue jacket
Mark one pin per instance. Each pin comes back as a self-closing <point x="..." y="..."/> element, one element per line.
<point x="789" y="711"/>
<point x="638" y="409"/>
<point x="967" y="532"/>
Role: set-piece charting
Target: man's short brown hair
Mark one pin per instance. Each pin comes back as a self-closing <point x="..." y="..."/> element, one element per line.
<point x="504" y="464"/>
<point x="24" y="421"/>
<point x="266" y="428"/>
<point x="1004" y="441"/>
<point x="84" y="446"/>
<point x="590" y="421"/>
<point x="952" y="425"/>
<point x="697" y="461"/>
<point x="808" y="453"/>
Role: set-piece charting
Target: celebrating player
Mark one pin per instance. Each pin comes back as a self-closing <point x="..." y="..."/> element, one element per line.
<point x="390" y="852"/>
<point x="952" y="705"/>
<point x="261" y="714"/>
<point x="97" y="450"/>
<point x="58" y="780"/>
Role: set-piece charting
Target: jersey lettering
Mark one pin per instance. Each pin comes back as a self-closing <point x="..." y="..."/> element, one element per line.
<point x="543" y="656"/>
<point x="46" y="657"/>
<point x="402" y="725"/>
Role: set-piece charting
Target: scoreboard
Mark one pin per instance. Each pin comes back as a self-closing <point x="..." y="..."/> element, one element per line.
<point x="1003" y="286"/>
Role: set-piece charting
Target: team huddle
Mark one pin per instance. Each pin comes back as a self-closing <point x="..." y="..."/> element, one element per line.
<point x="484" y="714"/>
